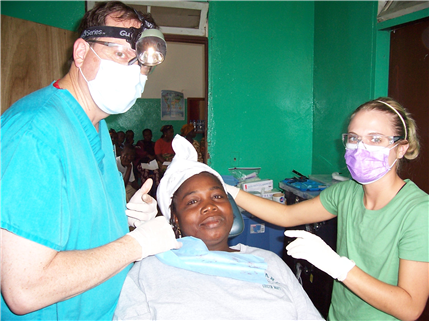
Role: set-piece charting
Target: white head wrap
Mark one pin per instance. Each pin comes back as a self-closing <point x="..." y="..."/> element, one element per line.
<point x="183" y="166"/>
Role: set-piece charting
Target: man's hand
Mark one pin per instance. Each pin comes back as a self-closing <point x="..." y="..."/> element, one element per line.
<point x="155" y="236"/>
<point x="141" y="207"/>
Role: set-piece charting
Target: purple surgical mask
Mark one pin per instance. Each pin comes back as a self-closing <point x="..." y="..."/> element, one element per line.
<point x="368" y="165"/>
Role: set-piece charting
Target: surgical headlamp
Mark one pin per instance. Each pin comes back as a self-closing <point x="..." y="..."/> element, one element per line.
<point x="151" y="48"/>
<point x="149" y="44"/>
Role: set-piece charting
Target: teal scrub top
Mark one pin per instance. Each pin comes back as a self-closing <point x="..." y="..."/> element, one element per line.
<point x="60" y="187"/>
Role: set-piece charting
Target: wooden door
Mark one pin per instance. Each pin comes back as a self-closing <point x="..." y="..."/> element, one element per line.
<point x="32" y="56"/>
<point x="409" y="85"/>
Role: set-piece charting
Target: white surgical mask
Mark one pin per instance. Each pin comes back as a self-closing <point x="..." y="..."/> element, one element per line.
<point x="116" y="87"/>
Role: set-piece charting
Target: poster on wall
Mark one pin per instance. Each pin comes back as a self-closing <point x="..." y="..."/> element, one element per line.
<point x="172" y="105"/>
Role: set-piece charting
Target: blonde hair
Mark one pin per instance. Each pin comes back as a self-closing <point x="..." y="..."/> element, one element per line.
<point x="402" y="120"/>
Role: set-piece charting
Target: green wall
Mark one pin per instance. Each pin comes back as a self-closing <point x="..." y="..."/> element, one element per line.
<point x="261" y="86"/>
<point x="284" y="77"/>
<point x="344" y="46"/>
<point x="146" y="113"/>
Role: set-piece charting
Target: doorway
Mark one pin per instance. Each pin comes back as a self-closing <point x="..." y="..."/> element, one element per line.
<point x="204" y="101"/>
<point x="409" y="85"/>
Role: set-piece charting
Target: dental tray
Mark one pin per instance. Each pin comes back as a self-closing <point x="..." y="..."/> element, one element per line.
<point x="304" y="184"/>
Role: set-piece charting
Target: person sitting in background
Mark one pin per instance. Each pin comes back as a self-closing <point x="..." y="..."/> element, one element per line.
<point x="145" y="161"/>
<point x="129" y="138"/>
<point x="210" y="279"/>
<point x="145" y="148"/>
<point x="188" y="131"/>
<point x="163" y="149"/>
<point x="125" y="166"/>
<point x="114" y="138"/>
<point x="120" y="142"/>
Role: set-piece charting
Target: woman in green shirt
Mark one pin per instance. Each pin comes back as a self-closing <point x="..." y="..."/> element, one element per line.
<point x="382" y="243"/>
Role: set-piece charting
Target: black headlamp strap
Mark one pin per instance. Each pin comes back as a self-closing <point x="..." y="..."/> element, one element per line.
<point x="131" y="35"/>
<point x="145" y="24"/>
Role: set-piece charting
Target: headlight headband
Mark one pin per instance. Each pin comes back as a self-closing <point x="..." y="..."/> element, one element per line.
<point x="131" y="35"/>
<point x="148" y="42"/>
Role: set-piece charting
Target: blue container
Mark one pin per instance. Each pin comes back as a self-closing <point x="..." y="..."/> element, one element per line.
<point x="304" y="185"/>
<point x="258" y="233"/>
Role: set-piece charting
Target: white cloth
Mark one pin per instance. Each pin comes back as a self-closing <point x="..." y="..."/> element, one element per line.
<point x="152" y="165"/>
<point x="123" y="169"/>
<point x="183" y="166"/>
<point x="156" y="291"/>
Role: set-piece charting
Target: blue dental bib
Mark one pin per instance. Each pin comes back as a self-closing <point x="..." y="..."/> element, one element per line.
<point x="195" y="256"/>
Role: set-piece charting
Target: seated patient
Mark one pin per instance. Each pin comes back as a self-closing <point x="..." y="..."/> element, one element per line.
<point x="207" y="279"/>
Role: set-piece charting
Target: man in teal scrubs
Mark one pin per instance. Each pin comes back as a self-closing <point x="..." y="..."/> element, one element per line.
<point x="66" y="245"/>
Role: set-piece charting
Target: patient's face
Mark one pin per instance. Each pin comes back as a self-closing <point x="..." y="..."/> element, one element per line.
<point x="203" y="211"/>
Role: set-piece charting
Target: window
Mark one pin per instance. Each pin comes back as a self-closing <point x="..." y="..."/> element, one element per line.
<point x="393" y="9"/>
<point x="173" y="17"/>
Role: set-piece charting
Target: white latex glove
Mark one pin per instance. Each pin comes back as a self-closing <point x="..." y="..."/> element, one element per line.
<point x="141" y="207"/>
<point x="232" y="190"/>
<point x="155" y="236"/>
<point x="312" y="248"/>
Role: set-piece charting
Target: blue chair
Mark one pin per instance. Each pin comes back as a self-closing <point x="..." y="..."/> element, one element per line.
<point x="238" y="224"/>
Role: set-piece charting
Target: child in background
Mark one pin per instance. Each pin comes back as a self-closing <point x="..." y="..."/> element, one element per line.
<point x="120" y="142"/>
<point x="163" y="149"/>
<point x="145" y="161"/>
<point x="125" y="166"/>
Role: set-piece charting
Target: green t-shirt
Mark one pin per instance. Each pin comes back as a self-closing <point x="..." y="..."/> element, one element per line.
<point x="376" y="240"/>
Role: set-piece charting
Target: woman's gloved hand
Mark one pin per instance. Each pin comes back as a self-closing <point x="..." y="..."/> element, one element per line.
<point x="312" y="248"/>
<point x="232" y="190"/>
<point x="141" y="207"/>
<point x="155" y="236"/>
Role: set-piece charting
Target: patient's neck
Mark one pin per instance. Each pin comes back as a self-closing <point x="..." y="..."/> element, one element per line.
<point x="222" y="246"/>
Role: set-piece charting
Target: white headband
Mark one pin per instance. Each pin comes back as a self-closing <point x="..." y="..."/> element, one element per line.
<point x="399" y="115"/>
<point x="183" y="166"/>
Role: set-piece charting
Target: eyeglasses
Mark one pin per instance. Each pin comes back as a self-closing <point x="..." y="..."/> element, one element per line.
<point x="370" y="140"/>
<point x="118" y="53"/>
<point x="122" y="55"/>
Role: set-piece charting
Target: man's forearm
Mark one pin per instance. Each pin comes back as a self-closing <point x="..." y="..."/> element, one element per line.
<point x="55" y="276"/>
